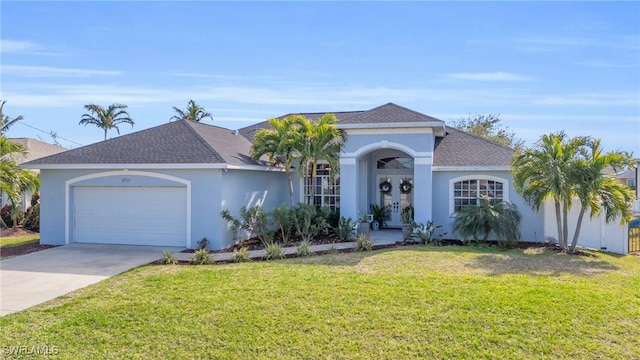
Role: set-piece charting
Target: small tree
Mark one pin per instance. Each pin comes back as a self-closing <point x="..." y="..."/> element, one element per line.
<point x="478" y="222"/>
<point x="488" y="127"/>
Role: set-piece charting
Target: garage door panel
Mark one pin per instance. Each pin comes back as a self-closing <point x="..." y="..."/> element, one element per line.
<point x="130" y="215"/>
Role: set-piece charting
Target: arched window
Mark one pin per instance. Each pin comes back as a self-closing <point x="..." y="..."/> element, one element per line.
<point x="465" y="191"/>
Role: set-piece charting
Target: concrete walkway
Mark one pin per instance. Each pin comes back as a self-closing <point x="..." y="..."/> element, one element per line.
<point x="32" y="279"/>
<point x="379" y="238"/>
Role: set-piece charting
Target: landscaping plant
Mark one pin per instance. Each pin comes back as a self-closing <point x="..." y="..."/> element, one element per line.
<point x="283" y="219"/>
<point x="478" y="222"/>
<point x="253" y="221"/>
<point x="363" y="243"/>
<point x="345" y="229"/>
<point x="304" y="249"/>
<point x="240" y="255"/>
<point x="200" y="257"/>
<point x="308" y="223"/>
<point x="168" y="258"/>
<point x="273" y="251"/>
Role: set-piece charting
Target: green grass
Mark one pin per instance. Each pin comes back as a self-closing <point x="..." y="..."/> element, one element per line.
<point x="416" y="302"/>
<point x="15" y="241"/>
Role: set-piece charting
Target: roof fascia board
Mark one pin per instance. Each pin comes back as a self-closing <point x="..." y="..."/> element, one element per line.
<point x="149" y="166"/>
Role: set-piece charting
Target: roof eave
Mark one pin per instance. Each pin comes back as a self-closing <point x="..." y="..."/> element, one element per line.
<point x="216" y="166"/>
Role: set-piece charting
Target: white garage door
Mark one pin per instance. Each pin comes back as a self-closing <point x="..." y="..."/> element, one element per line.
<point x="130" y="215"/>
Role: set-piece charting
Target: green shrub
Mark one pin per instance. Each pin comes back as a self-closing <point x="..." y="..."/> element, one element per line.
<point x="200" y="257"/>
<point x="478" y="222"/>
<point x="308" y="223"/>
<point x="283" y="219"/>
<point x="304" y="249"/>
<point x="32" y="221"/>
<point x="253" y="220"/>
<point x="240" y="255"/>
<point x="168" y="258"/>
<point x="331" y="217"/>
<point x="425" y="234"/>
<point x="345" y="228"/>
<point x="363" y="243"/>
<point x="7" y="219"/>
<point x="273" y="251"/>
<point x="202" y="244"/>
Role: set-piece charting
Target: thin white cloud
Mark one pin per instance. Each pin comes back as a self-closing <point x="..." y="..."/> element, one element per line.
<point x="590" y="99"/>
<point x="48" y="71"/>
<point x="22" y="47"/>
<point x="555" y="43"/>
<point x="489" y="76"/>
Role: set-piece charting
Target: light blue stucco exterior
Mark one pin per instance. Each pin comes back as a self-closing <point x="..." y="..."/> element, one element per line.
<point x="211" y="190"/>
<point x="443" y="215"/>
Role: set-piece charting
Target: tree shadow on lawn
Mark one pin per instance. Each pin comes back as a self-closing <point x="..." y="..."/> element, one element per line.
<point x="540" y="262"/>
<point x="467" y="259"/>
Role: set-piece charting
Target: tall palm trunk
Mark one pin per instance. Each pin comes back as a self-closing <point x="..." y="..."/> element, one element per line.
<point x="565" y="226"/>
<point x="574" y="242"/>
<point x="559" y="222"/>
<point x="105" y="133"/>
<point x="290" y="179"/>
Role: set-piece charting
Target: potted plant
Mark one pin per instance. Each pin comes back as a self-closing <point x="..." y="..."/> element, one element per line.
<point x="406" y="215"/>
<point x="380" y="215"/>
<point x="363" y="224"/>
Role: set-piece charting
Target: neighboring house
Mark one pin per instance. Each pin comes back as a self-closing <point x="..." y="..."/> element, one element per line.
<point x="36" y="149"/>
<point x="167" y="185"/>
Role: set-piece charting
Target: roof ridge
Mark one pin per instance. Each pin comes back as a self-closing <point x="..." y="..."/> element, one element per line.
<point x="481" y="138"/>
<point x="203" y="141"/>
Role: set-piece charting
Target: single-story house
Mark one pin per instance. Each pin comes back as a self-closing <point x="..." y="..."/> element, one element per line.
<point x="166" y="185"/>
<point x="36" y="149"/>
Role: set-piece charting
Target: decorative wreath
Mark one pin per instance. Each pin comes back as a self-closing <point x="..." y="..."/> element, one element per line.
<point x="405" y="186"/>
<point x="385" y="187"/>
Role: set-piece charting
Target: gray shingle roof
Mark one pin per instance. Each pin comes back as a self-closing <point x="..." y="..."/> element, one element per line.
<point x="459" y="148"/>
<point x="250" y="131"/>
<point x="186" y="142"/>
<point x="178" y="142"/>
<point x="389" y="113"/>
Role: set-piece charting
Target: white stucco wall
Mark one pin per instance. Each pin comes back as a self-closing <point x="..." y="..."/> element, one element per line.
<point x="595" y="233"/>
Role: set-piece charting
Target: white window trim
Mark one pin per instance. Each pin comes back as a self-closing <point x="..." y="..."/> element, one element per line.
<point x="505" y="188"/>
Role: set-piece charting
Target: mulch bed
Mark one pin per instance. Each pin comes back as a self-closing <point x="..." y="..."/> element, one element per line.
<point x="11" y="251"/>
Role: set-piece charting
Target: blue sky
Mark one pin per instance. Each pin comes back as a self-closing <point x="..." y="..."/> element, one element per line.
<point x="549" y="66"/>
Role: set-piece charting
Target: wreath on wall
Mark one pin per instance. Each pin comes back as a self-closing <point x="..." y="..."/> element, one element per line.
<point x="385" y="187"/>
<point x="405" y="186"/>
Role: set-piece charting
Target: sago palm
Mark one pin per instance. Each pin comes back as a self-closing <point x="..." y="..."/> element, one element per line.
<point x="108" y="118"/>
<point x="478" y="222"/>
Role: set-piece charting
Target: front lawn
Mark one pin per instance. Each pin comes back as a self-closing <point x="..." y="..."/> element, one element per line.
<point x="20" y="240"/>
<point x="414" y="302"/>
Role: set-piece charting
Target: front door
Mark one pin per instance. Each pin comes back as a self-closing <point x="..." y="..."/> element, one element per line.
<point x="395" y="192"/>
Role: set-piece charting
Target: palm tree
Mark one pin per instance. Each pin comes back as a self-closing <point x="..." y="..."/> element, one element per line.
<point x="108" y="118"/>
<point x="13" y="180"/>
<point x="598" y="191"/>
<point x="5" y="121"/>
<point x="319" y="141"/>
<point x="542" y="172"/>
<point x="193" y="112"/>
<point x="502" y="218"/>
<point x="280" y="144"/>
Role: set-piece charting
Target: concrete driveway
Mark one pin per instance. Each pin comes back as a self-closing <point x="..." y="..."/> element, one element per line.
<point x="34" y="278"/>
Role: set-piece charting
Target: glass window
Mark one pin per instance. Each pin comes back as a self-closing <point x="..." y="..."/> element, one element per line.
<point x="467" y="192"/>
<point x="327" y="189"/>
<point x="395" y="163"/>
